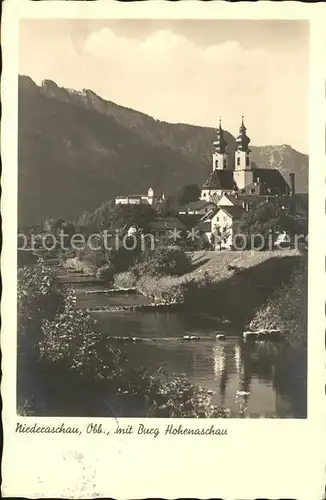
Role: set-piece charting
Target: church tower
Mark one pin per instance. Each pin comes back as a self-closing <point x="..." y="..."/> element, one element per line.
<point x="243" y="174"/>
<point x="220" y="155"/>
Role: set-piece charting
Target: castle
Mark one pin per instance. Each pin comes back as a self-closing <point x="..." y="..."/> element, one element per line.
<point x="137" y="199"/>
<point x="245" y="178"/>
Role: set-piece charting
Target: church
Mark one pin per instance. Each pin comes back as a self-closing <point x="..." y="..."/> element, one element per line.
<point x="245" y="178"/>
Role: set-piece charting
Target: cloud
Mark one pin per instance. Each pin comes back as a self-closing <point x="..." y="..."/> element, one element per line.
<point x="168" y="76"/>
<point x="176" y="79"/>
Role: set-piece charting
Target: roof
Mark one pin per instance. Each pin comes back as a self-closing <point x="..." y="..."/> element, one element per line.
<point x="220" y="179"/>
<point x="166" y="223"/>
<point x="195" y="205"/>
<point x="189" y="220"/>
<point x="234" y="199"/>
<point x="271" y="179"/>
<point x="234" y="212"/>
<point x="134" y="196"/>
<point x="205" y="227"/>
<point x="254" y="199"/>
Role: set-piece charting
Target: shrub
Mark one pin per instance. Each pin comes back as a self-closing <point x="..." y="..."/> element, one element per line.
<point x="286" y="309"/>
<point x="125" y="280"/>
<point x="81" y="267"/>
<point x="163" y="261"/>
<point x="39" y="297"/>
<point x="71" y="341"/>
<point x="105" y="273"/>
<point x="122" y="259"/>
<point x="162" y="290"/>
<point x="181" y="399"/>
<point x="94" y="258"/>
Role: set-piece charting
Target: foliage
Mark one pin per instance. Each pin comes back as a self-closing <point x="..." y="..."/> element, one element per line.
<point x="114" y="218"/>
<point x="126" y="279"/>
<point x="266" y="220"/>
<point x="76" y="361"/>
<point x="167" y="208"/>
<point x="71" y="341"/>
<point x="79" y="266"/>
<point x="105" y="273"/>
<point x="164" y="290"/>
<point x="161" y="261"/>
<point x="286" y="309"/>
<point x="190" y="192"/>
<point x="124" y="257"/>
<point x="262" y="220"/>
<point x="220" y="236"/>
<point x="39" y="297"/>
<point x="180" y="398"/>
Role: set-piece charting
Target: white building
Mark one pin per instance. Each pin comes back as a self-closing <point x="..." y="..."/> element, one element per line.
<point x="137" y="199"/>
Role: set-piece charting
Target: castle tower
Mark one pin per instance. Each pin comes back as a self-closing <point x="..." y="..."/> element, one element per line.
<point x="243" y="174"/>
<point x="150" y="196"/>
<point x="220" y="156"/>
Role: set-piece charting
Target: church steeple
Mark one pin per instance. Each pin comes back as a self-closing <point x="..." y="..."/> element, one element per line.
<point x="220" y="156"/>
<point x="243" y="174"/>
<point x="242" y="141"/>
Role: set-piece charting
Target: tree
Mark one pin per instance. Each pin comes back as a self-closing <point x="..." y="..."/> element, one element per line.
<point x="190" y="192"/>
<point x="167" y="208"/>
<point x="113" y="217"/>
<point x="219" y="236"/>
<point x="259" y="224"/>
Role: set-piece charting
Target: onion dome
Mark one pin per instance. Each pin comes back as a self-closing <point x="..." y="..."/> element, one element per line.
<point x="242" y="141"/>
<point x="220" y="144"/>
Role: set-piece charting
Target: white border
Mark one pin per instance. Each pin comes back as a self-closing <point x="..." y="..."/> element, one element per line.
<point x="258" y="458"/>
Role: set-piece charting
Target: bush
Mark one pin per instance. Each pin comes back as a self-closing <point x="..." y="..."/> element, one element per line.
<point x="122" y="259"/>
<point x="79" y="266"/>
<point x="286" y="309"/>
<point x="39" y="297"/>
<point x="125" y="280"/>
<point x="94" y="258"/>
<point x="182" y="399"/>
<point x="162" y="261"/>
<point x="162" y="290"/>
<point x="71" y="341"/>
<point x="105" y="273"/>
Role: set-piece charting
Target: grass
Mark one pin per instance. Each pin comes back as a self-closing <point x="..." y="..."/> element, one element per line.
<point x="216" y="264"/>
<point x="232" y="285"/>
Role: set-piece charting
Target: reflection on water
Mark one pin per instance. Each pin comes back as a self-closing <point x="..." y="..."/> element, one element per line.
<point x="249" y="378"/>
<point x="260" y="378"/>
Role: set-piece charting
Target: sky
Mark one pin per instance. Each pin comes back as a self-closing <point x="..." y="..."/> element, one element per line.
<point x="183" y="71"/>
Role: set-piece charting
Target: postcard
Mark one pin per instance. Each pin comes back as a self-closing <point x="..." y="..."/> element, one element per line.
<point x="163" y="256"/>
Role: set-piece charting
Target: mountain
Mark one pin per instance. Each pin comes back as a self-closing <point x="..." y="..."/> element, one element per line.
<point x="76" y="150"/>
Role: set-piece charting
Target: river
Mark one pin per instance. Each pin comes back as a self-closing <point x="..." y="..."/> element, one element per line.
<point x="262" y="377"/>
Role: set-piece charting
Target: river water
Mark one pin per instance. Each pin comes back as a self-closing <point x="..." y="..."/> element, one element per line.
<point x="265" y="378"/>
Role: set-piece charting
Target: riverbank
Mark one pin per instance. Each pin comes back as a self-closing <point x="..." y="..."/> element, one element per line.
<point x="142" y="362"/>
<point x="250" y="289"/>
<point x="235" y="285"/>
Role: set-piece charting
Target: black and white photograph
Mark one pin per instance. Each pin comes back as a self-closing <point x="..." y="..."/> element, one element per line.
<point x="163" y="255"/>
<point x="162" y="218"/>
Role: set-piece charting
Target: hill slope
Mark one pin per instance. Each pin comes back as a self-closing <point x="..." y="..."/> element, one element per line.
<point x="77" y="150"/>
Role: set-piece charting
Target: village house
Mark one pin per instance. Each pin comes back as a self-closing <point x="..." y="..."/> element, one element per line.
<point x="199" y="207"/>
<point x="166" y="229"/>
<point x="219" y="227"/>
<point x="222" y="225"/>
